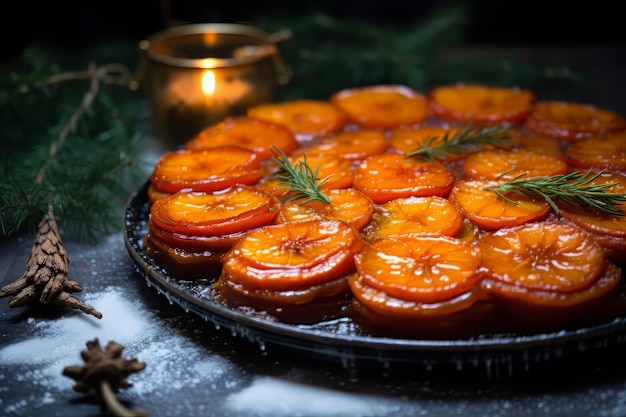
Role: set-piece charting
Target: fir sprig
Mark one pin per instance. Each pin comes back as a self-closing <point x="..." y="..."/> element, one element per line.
<point x="576" y="189"/>
<point x="466" y="139"/>
<point x="302" y="180"/>
<point x="67" y="143"/>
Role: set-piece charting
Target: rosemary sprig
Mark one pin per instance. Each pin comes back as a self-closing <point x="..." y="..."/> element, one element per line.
<point x="575" y="189"/>
<point x="300" y="178"/>
<point x="467" y="138"/>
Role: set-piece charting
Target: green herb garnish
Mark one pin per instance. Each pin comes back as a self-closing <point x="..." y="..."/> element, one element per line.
<point x="575" y="189"/>
<point x="300" y="178"/>
<point x="467" y="139"/>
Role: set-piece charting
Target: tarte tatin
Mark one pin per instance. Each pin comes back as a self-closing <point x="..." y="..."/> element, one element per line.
<point x="453" y="213"/>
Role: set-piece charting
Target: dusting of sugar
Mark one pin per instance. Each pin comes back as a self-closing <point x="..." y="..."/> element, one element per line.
<point x="173" y="362"/>
<point x="268" y="396"/>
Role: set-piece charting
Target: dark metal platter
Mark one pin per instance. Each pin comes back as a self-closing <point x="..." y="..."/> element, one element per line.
<point x="343" y="341"/>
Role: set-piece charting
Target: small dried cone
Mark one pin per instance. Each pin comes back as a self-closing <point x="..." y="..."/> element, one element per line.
<point x="104" y="373"/>
<point x="45" y="280"/>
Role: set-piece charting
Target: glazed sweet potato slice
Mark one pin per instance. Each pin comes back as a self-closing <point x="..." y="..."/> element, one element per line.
<point x="382" y="106"/>
<point x="553" y="256"/>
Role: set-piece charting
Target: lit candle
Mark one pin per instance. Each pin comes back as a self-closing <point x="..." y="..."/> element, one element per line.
<point x="197" y="75"/>
<point x="208" y="86"/>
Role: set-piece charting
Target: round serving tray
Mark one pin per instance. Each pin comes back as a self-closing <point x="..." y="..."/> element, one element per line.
<point x="342" y="340"/>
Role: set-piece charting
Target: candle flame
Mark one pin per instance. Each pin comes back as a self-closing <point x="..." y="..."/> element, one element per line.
<point x="208" y="83"/>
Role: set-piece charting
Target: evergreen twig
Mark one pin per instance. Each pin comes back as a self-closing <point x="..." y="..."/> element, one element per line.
<point x="300" y="178"/>
<point x="575" y="189"/>
<point x="466" y="139"/>
<point x="72" y="153"/>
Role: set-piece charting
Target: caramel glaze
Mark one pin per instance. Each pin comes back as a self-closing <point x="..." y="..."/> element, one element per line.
<point x="310" y="305"/>
<point x="181" y="263"/>
<point x="490" y="308"/>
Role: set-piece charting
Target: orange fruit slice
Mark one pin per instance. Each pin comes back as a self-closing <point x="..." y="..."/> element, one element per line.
<point x="206" y="170"/>
<point x="382" y="106"/>
<point x="601" y="223"/>
<point x="488" y="211"/>
<point x="406" y="140"/>
<point x="607" y="151"/>
<point x="238" y="209"/>
<point x="415" y="215"/>
<point x="569" y="120"/>
<point x="543" y="256"/>
<point x="305" y="118"/>
<point x="258" y="135"/>
<point x="293" y="255"/>
<point x="353" y="145"/>
<point x="499" y="164"/>
<point x="348" y="205"/>
<point x="419" y="268"/>
<point x="387" y="176"/>
<point x="481" y="104"/>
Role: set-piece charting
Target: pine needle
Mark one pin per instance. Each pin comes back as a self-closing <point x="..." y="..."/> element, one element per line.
<point x="302" y="180"/>
<point x="576" y="189"/>
<point x="467" y="139"/>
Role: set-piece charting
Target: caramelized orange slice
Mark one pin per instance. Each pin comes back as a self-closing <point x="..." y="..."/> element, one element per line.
<point x="466" y="314"/>
<point x="537" y="143"/>
<point x="601" y="223"/>
<point x="569" y="121"/>
<point x="258" y="135"/>
<point x="353" y="145"/>
<point x="488" y="211"/>
<point x="208" y="214"/>
<point x="335" y="170"/>
<point x="348" y="205"/>
<point x="536" y="298"/>
<point x="543" y="256"/>
<point x="481" y="104"/>
<point x="387" y="176"/>
<point x="420" y="268"/>
<point x="499" y="164"/>
<point x="607" y="151"/>
<point x="382" y="106"/>
<point x="293" y="255"/>
<point x="415" y="215"/>
<point x="305" y="118"/>
<point x="406" y="140"/>
<point x="206" y="170"/>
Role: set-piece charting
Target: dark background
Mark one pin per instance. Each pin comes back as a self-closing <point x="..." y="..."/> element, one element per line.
<point x="529" y="22"/>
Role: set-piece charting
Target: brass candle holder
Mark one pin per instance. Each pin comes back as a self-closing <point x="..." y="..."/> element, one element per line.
<point x="196" y="75"/>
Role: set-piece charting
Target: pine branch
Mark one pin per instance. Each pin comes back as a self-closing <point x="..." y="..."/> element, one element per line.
<point x="466" y="139"/>
<point x="575" y="189"/>
<point x="73" y="153"/>
<point x="300" y="179"/>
